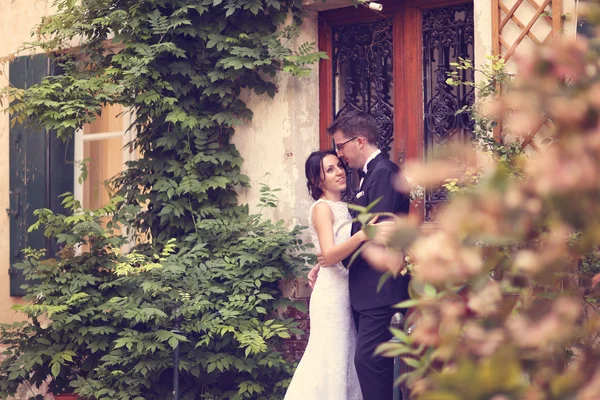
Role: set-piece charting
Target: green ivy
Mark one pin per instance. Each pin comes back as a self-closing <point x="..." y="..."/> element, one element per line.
<point x="182" y="68"/>
<point x="72" y="292"/>
<point x="117" y="319"/>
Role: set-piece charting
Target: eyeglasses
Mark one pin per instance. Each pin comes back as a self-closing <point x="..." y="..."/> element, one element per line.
<point x="341" y="145"/>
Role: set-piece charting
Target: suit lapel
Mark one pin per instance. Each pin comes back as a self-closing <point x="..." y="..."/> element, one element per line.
<point x="361" y="199"/>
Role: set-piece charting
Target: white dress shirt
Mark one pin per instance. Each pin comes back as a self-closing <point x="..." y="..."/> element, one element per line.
<point x="371" y="157"/>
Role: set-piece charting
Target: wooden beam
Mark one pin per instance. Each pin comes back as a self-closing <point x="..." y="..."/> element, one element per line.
<point x="400" y="100"/>
<point x="557" y="18"/>
<point x="518" y="22"/>
<point x="509" y="13"/>
<point x="325" y="85"/>
<point x="413" y="64"/>
<point x="535" y="5"/>
<point x="496" y="27"/>
<point x="529" y="138"/>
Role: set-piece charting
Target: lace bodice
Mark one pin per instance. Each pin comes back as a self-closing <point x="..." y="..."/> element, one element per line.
<point x="342" y="225"/>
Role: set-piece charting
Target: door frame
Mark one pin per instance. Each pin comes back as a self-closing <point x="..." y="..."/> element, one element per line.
<point x="407" y="69"/>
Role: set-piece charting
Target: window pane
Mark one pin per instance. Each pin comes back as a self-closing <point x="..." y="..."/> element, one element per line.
<point x="104" y="159"/>
<point x="111" y="120"/>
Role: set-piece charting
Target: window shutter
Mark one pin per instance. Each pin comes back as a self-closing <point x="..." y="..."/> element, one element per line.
<point x="41" y="168"/>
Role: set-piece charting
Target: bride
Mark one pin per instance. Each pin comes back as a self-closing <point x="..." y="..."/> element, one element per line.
<point x="326" y="371"/>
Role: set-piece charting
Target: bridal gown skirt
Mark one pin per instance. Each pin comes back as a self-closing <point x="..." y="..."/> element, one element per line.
<point x="326" y="371"/>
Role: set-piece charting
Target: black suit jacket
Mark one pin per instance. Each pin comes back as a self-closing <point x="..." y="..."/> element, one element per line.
<point x="363" y="280"/>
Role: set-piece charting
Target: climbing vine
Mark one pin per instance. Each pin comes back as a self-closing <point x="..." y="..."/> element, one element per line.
<point x="182" y="68"/>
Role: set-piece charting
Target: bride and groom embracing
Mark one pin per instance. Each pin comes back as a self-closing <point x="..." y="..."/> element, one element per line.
<point x="349" y="318"/>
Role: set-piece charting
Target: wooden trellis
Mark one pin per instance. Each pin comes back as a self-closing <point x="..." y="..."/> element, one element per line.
<point x="505" y="16"/>
<point x="518" y="23"/>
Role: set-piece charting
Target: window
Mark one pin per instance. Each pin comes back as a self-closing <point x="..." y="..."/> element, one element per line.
<point x="100" y="148"/>
<point x="42" y="167"/>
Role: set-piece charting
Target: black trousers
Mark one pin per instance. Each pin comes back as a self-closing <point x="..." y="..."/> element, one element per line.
<point x="375" y="373"/>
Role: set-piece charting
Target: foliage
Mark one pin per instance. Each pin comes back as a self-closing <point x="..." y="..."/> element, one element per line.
<point x="68" y="329"/>
<point x="489" y="138"/>
<point x="532" y="331"/>
<point x="495" y="77"/>
<point x="222" y="298"/>
<point x="115" y="320"/>
<point x="182" y="68"/>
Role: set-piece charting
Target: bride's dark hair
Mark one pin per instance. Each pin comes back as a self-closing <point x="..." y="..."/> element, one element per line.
<point x="313" y="169"/>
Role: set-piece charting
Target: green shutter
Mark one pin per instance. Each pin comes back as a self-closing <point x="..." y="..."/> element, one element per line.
<point x="41" y="168"/>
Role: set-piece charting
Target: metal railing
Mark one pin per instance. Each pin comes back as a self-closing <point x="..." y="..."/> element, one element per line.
<point x="176" y="331"/>
<point x="400" y="391"/>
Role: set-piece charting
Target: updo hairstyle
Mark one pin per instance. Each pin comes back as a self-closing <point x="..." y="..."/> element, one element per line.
<point x="313" y="170"/>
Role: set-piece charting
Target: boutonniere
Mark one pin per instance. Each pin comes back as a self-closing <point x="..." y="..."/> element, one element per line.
<point x="359" y="195"/>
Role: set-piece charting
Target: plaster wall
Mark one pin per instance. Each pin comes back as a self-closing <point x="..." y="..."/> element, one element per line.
<point x="282" y="134"/>
<point x="570" y="10"/>
<point x="17" y="19"/>
<point x="482" y="11"/>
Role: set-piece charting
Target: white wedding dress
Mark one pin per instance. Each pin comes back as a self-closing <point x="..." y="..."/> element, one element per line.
<point x="326" y="371"/>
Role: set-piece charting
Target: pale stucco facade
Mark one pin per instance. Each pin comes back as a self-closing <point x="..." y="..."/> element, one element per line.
<point x="275" y="144"/>
<point x="16" y="22"/>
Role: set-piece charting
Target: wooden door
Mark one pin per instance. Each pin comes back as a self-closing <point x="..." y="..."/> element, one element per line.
<point x="393" y="64"/>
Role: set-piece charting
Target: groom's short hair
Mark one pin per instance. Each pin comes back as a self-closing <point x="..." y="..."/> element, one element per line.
<point x="356" y="123"/>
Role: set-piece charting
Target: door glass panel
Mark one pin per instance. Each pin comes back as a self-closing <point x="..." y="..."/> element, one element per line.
<point x="447" y="36"/>
<point x="362" y="77"/>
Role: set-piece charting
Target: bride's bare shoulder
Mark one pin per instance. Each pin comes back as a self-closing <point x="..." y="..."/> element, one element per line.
<point x="321" y="211"/>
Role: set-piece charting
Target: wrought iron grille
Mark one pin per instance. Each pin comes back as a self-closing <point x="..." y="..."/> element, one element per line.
<point x="362" y="78"/>
<point x="448" y="34"/>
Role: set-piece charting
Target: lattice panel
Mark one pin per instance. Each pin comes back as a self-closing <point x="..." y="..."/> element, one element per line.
<point x="517" y="25"/>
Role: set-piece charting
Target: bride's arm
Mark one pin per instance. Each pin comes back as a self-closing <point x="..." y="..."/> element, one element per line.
<point x="322" y="220"/>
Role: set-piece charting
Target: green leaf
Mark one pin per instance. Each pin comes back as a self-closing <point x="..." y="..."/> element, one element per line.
<point x="430" y="291"/>
<point x="392" y="350"/>
<point x="55" y="369"/>
<point x="407" y="304"/>
<point x="173" y="342"/>
<point x="383" y="279"/>
<point x="411" y="362"/>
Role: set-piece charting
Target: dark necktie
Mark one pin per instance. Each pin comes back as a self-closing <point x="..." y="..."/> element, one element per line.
<point x="361" y="173"/>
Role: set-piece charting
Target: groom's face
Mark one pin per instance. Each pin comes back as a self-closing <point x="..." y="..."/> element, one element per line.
<point x="348" y="149"/>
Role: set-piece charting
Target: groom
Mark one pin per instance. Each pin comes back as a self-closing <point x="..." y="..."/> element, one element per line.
<point x="355" y="137"/>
